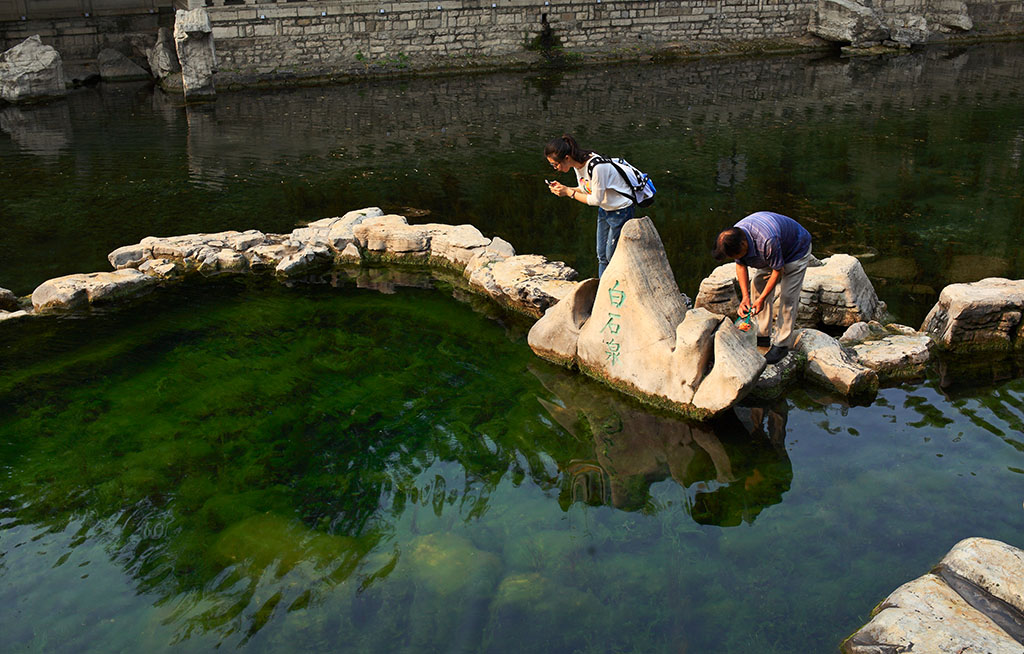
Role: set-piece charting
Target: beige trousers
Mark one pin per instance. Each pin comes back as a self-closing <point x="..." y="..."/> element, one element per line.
<point x="783" y="302"/>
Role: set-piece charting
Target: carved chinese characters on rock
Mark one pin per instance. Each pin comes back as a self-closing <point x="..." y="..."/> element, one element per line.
<point x="610" y="331"/>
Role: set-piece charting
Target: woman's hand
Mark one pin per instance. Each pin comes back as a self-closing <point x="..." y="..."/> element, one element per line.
<point x="559" y="189"/>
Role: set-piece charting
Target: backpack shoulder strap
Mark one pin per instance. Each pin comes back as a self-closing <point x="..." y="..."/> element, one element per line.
<point x="594" y="161"/>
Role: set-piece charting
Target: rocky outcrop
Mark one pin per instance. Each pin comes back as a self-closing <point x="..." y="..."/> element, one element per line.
<point x="949" y="15"/>
<point x="163" y="61"/>
<point x="846" y="21"/>
<point x="898" y="356"/>
<point x="973" y="601"/>
<point x="637" y="334"/>
<point x="983" y="315"/>
<point x="193" y="40"/>
<point x="81" y="290"/>
<point x="836" y="293"/>
<point x="31" y="71"/>
<point x="116" y="67"/>
<point x="831" y="365"/>
<point x="8" y="300"/>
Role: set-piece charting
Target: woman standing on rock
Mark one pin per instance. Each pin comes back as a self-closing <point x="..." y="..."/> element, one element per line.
<point x="598" y="186"/>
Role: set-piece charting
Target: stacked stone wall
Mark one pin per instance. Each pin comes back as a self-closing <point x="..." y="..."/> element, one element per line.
<point x="80" y="37"/>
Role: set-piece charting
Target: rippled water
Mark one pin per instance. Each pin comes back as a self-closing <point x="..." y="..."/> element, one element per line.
<point x="380" y="464"/>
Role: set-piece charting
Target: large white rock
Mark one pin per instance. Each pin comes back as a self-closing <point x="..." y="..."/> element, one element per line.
<point x="80" y="290"/>
<point x="846" y="21"/>
<point x="193" y="40"/>
<point x="31" y="71"/>
<point x="638" y="335"/>
<point x="529" y="283"/>
<point x="983" y="315"/>
<point x="116" y="67"/>
<point x="832" y="366"/>
<point x="392" y="235"/>
<point x="837" y="293"/>
<point x="949" y="15"/>
<point x="931" y="614"/>
<point x="309" y="259"/>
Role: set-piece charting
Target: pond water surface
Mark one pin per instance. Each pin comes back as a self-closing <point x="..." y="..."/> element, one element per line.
<point x="380" y="464"/>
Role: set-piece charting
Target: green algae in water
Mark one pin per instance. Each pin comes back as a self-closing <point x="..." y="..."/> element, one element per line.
<point x="332" y="469"/>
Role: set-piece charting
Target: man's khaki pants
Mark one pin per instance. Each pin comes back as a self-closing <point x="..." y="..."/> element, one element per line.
<point x="784" y="300"/>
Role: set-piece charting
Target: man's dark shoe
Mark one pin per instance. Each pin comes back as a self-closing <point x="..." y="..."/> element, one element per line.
<point x="776" y="354"/>
<point x="764" y="341"/>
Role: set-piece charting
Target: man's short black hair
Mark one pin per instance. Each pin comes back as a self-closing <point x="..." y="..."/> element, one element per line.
<point x="729" y="244"/>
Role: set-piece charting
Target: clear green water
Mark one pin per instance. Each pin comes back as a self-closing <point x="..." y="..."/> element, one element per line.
<point x="331" y="468"/>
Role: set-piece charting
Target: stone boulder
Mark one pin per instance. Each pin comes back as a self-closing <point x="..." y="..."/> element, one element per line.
<point x="909" y="30"/>
<point x="897" y="356"/>
<point x="14" y="315"/>
<point x="836" y="293"/>
<point x="637" y="334"/>
<point x="336" y="233"/>
<point x="966" y="604"/>
<point x="163" y="60"/>
<point x="31" y="71"/>
<point x="982" y="315"/>
<point x="846" y="21"/>
<point x="391" y="236"/>
<point x="833" y="366"/>
<point x="949" y="15"/>
<point x="193" y="41"/>
<point x="78" y="291"/>
<point x="311" y="258"/>
<point x="221" y="251"/>
<point x="116" y="67"/>
<point x="8" y="300"/>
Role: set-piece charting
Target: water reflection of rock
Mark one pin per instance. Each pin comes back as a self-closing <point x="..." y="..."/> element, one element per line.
<point x="731" y="469"/>
<point x="43" y="130"/>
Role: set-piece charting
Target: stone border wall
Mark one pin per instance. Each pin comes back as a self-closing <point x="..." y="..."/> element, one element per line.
<point x="81" y="38"/>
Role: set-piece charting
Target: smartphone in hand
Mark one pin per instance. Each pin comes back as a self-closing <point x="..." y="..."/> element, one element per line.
<point x="548" y="182"/>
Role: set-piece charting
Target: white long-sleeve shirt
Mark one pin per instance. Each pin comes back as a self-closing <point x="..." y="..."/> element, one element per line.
<point x="606" y="189"/>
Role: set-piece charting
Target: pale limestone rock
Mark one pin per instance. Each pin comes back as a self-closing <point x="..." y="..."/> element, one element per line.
<point x="456" y="244"/>
<point x="229" y="260"/>
<point x="306" y="260"/>
<point x="926" y="615"/>
<point x="909" y="30"/>
<point x="983" y="315"/>
<point x="162" y="268"/>
<point x="193" y="41"/>
<point x="838" y="292"/>
<point x="130" y="256"/>
<point x="31" y="71"/>
<point x="735" y="372"/>
<point x="115" y="67"/>
<point x="242" y="241"/>
<point x="162" y="57"/>
<point x="8" y="300"/>
<point x="694" y="348"/>
<point x="79" y="290"/>
<point x="14" y="315"/>
<point x="530" y="282"/>
<point x="268" y="255"/>
<point x="830" y="365"/>
<point x="846" y="21"/>
<point x="555" y="335"/>
<point x="855" y="333"/>
<point x="350" y="254"/>
<point x="896" y="328"/>
<point x="340" y="233"/>
<point x="895" y="356"/>
<point x="990" y="565"/>
<point x="391" y="234"/>
<point x="632" y="330"/>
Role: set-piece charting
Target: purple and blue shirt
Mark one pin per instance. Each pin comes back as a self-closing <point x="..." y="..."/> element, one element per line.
<point x="773" y="240"/>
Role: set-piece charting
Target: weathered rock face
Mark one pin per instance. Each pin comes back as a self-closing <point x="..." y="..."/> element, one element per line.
<point x="949" y="15"/>
<point x="837" y="293"/>
<point x="31" y="71"/>
<point x="983" y="315"/>
<point x="637" y="334"/>
<point x="193" y="39"/>
<point x="80" y="290"/>
<point x="207" y="253"/>
<point x="909" y="30"/>
<point x="832" y="366"/>
<point x="162" y="57"/>
<point x="8" y="300"/>
<point x="898" y="356"/>
<point x="115" y="67"/>
<point x="931" y="614"/>
<point x="846" y="21"/>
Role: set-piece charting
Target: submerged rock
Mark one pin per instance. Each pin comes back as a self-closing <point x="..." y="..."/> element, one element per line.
<point x="983" y="315"/>
<point x="31" y="71"/>
<point x="80" y="290"/>
<point x="956" y="608"/>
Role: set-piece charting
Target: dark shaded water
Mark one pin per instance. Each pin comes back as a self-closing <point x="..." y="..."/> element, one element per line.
<point x="333" y="468"/>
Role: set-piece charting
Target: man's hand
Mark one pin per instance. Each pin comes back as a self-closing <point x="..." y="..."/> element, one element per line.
<point x="758" y="305"/>
<point x="744" y="308"/>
